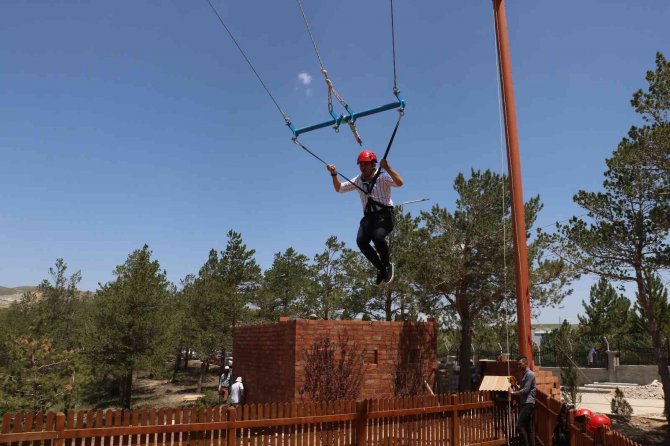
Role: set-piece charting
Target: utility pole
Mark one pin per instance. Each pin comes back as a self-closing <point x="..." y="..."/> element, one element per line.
<point x="514" y="169"/>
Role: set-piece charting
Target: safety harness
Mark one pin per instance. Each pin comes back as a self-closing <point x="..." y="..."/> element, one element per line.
<point x="372" y="206"/>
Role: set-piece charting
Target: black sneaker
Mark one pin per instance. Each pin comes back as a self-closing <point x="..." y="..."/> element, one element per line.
<point x="381" y="275"/>
<point x="388" y="277"/>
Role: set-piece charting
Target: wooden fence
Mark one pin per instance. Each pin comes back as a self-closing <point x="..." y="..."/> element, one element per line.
<point x="453" y="420"/>
<point x="546" y="416"/>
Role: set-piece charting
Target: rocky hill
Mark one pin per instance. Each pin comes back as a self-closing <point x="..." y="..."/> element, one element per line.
<point x="9" y="295"/>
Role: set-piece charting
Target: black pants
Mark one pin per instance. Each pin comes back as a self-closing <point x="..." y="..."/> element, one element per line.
<point x="524" y="425"/>
<point x="374" y="228"/>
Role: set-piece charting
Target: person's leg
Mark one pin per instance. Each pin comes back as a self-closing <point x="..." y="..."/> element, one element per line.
<point x="363" y="239"/>
<point x="381" y="227"/>
<point x="522" y="423"/>
<point x="531" y="435"/>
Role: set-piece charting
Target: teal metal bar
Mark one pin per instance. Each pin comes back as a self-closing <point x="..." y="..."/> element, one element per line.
<point x="346" y="118"/>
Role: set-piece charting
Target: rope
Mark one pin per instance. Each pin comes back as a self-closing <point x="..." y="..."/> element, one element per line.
<point x="374" y="179"/>
<point x="297" y="142"/>
<point x="388" y="149"/>
<point x="331" y="90"/>
<point x="284" y="115"/>
<point x="504" y="227"/>
<point x="395" y="76"/>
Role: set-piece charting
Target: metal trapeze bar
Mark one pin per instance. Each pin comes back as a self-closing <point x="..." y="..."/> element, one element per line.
<point x="346" y="118"/>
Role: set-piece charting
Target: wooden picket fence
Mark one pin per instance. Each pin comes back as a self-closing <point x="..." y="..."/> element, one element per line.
<point x="547" y="410"/>
<point x="446" y="420"/>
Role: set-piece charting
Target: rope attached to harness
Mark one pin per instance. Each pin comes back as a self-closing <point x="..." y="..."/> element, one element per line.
<point x="401" y="113"/>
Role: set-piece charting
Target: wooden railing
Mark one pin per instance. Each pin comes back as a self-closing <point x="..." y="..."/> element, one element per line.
<point x="454" y="420"/>
<point x="546" y="416"/>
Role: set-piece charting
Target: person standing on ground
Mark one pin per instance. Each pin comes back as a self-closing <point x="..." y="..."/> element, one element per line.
<point x="374" y="189"/>
<point x="237" y="392"/>
<point x="526" y="394"/>
<point x="591" y="357"/>
<point x="224" y="385"/>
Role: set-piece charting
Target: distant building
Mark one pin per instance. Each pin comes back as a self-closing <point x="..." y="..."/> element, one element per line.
<point x="539" y="331"/>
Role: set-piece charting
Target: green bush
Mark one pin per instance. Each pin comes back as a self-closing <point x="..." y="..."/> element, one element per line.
<point x="620" y="406"/>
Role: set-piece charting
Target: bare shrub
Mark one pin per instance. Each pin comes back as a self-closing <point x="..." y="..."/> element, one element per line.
<point x="333" y="370"/>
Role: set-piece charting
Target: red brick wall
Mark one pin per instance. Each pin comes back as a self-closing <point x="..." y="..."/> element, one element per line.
<point x="263" y="355"/>
<point x="270" y="357"/>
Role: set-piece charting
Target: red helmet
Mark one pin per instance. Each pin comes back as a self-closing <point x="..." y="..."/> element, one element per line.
<point x="580" y="413"/>
<point x="597" y="422"/>
<point x="367" y="156"/>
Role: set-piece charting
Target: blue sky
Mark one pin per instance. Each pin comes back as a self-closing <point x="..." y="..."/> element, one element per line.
<point x="124" y="123"/>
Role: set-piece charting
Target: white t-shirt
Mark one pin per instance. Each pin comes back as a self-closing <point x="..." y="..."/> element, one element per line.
<point x="381" y="193"/>
<point x="236" y="393"/>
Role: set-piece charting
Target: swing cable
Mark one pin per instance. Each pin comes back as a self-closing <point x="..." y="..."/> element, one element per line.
<point x="297" y="141"/>
<point x="331" y="89"/>
<point x="371" y="186"/>
<point x="503" y="133"/>
<point x="395" y="75"/>
<point x="287" y="120"/>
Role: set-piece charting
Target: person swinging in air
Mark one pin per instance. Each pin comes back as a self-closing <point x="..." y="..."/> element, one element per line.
<point x="374" y="188"/>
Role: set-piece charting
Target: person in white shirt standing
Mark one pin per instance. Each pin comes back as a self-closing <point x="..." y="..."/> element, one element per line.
<point x="374" y="189"/>
<point x="237" y="392"/>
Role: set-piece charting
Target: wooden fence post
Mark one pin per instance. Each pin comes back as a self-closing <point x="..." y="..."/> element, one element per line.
<point x="60" y="427"/>
<point x="362" y="423"/>
<point x="231" y="432"/>
<point x="455" y="430"/>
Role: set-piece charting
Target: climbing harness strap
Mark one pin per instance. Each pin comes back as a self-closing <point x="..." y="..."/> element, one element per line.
<point x="401" y="113"/>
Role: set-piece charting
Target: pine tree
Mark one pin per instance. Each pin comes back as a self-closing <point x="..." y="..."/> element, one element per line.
<point x="285" y="284"/>
<point x="461" y="265"/>
<point x="626" y="237"/>
<point x="131" y="327"/>
<point x="606" y="313"/>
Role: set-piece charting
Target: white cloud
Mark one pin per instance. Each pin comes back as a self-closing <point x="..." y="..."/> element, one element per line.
<point x="305" y="78"/>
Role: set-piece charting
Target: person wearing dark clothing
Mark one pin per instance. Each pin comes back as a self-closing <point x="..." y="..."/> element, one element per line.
<point x="526" y="394"/>
<point x="374" y="188"/>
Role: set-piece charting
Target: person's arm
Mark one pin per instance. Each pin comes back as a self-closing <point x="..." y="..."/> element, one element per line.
<point x="337" y="184"/>
<point x="397" y="179"/>
<point x="527" y="386"/>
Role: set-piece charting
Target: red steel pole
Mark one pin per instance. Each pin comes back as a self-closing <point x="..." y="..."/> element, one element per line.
<point x="514" y="168"/>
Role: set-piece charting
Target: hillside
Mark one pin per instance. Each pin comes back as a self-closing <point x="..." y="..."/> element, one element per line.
<point x="9" y="295"/>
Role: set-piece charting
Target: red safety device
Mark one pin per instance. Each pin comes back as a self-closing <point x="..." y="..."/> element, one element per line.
<point x="367" y="156"/>
<point x="597" y="422"/>
<point x="583" y="413"/>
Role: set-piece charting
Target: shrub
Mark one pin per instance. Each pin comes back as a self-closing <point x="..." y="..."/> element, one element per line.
<point x="620" y="406"/>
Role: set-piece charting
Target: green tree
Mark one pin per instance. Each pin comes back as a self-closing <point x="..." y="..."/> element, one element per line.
<point x="463" y="256"/>
<point x="285" y="283"/>
<point x="606" y="313"/>
<point x="239" y="276"/>
<point x="330" y="281"/>
<point x="626" y="239"/>
<point x="39" y="377"/>
<point x="359" y="286"/>
<point x="131" y="329"/>
<point x="52" y="311"/>
<point x="183" y="325"/>
<point x="658" y="296"/>
<point x="220" y="297"/>
<point x="564" y="343"/>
